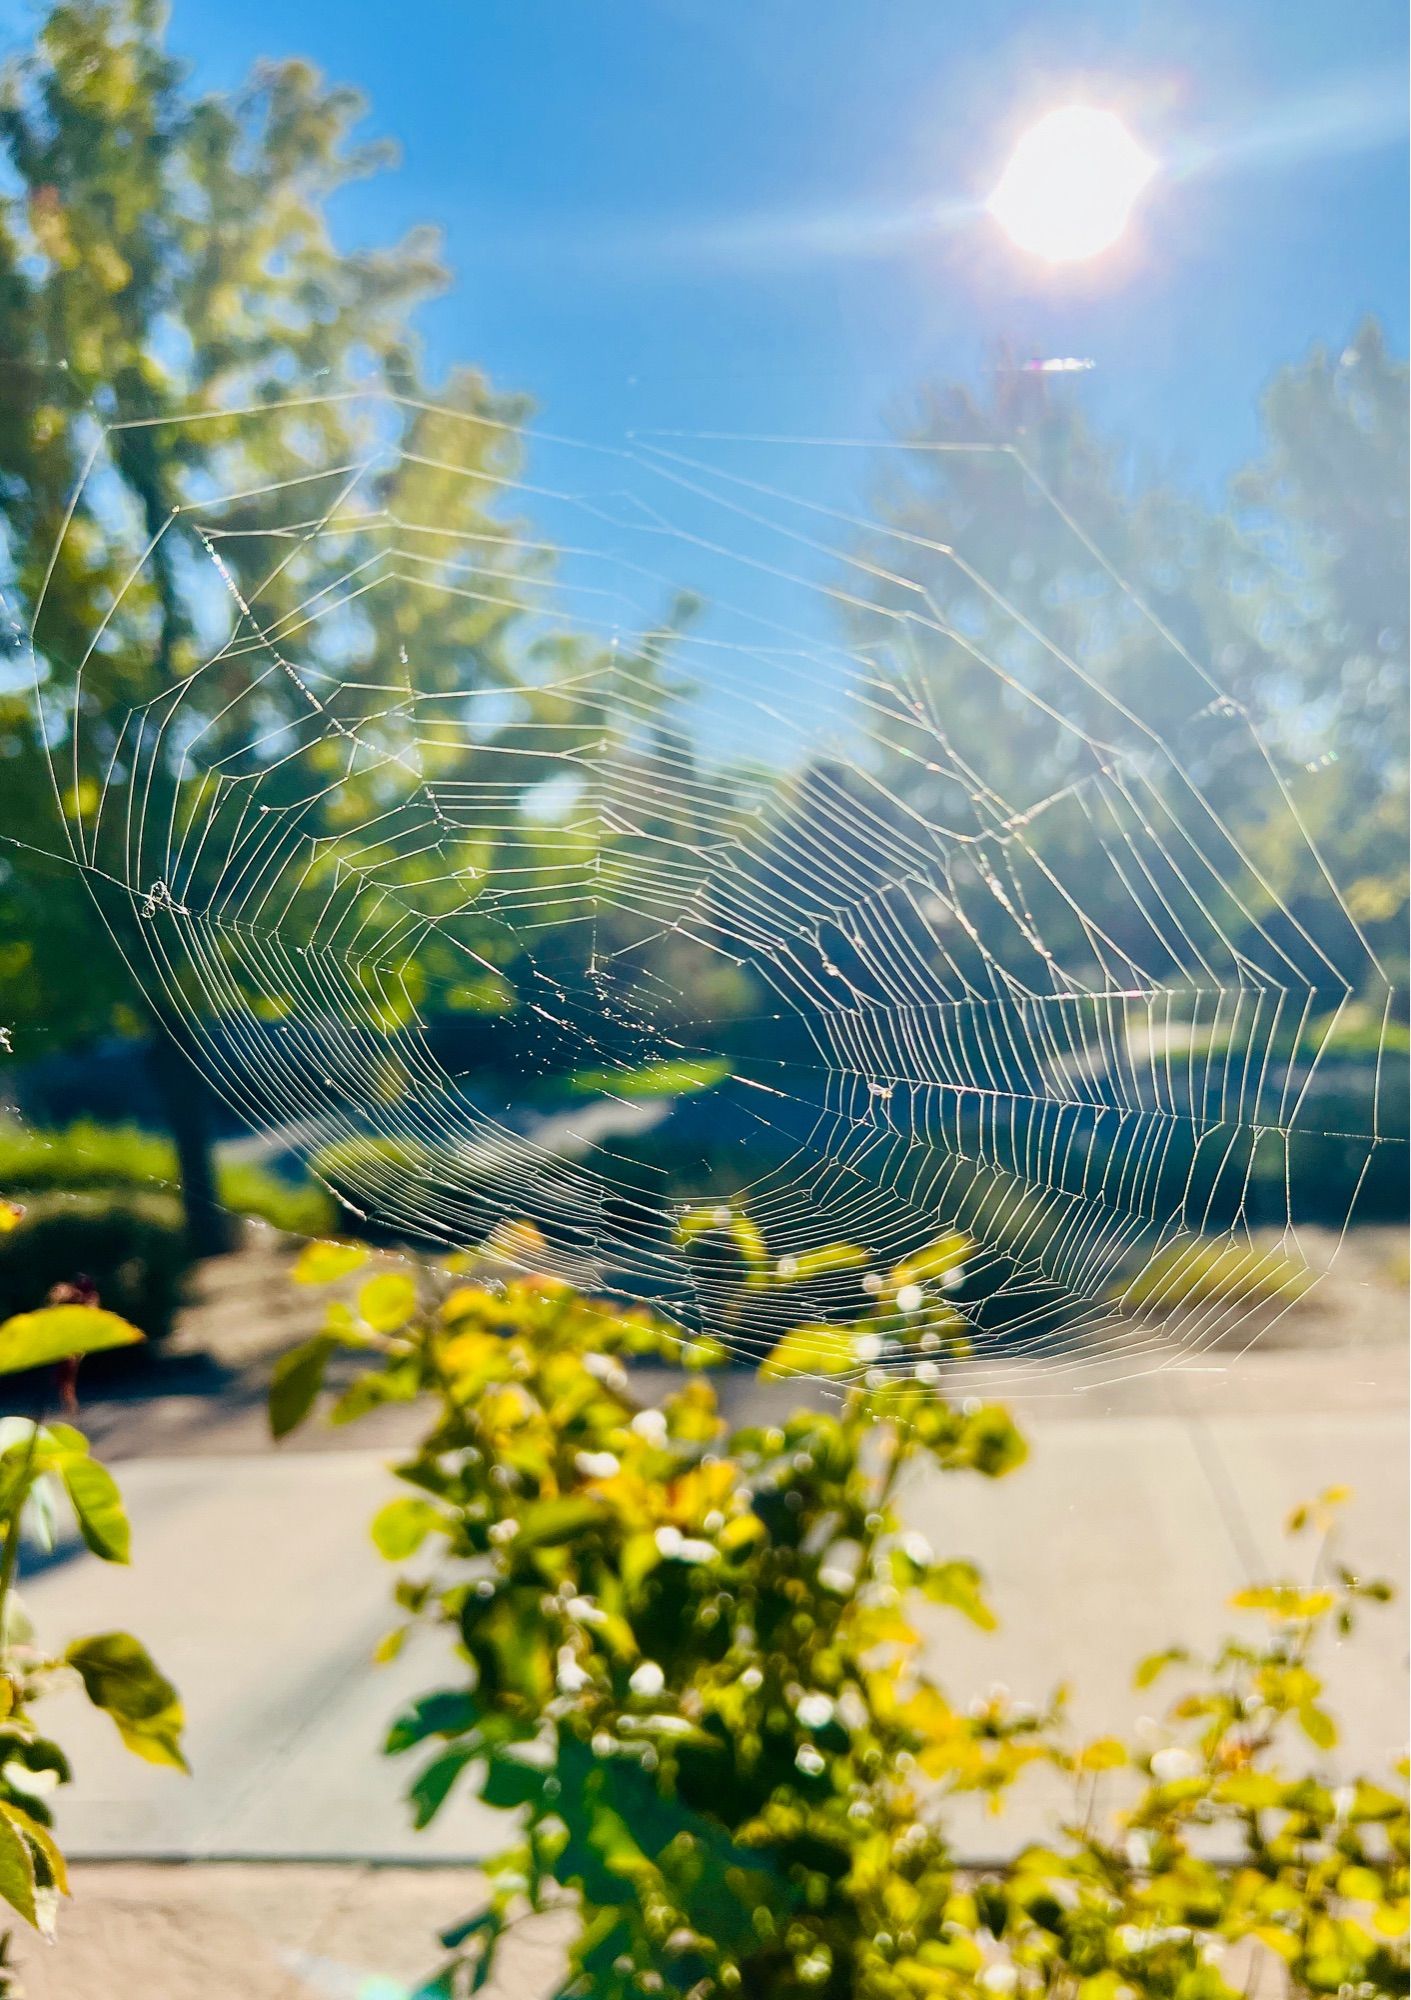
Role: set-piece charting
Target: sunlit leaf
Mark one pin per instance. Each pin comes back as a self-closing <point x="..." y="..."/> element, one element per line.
<point x="97" y="1506"/>
<point x="121" y="1678"/>
<point x="812" y="1350"/>
<point x="1317" y="1725"/>
<point x="17" y="1870"/>
<point x="322" y="1263"/>
<point x="387" y="1301"/>
<point x="400" y="1528"/>
<point x="665" y="1079"/>
<point x="55" y="1333"/>
<point x="946" y="1254"/>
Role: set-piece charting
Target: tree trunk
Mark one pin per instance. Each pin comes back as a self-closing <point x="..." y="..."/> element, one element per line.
<point x="210" y="1231"/>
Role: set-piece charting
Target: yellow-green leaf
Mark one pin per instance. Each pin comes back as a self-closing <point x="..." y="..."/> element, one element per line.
<point x="54" y="1333"/>
<point x="704" y="1352"/>
<point x="321" y="1263"/>
<point x="810" y="1264"/>
<point x="387" y="1301"/>
<point x="1317" y="1725"/>
<point x="39" y="1837"/>
<point x="1155" y="1664"/>
<point x="959" y="1585"/>
<point x="400" y="1528"/>
<point x="17" y="1870"/>
<point x="97" y="1506"/>
<point x="120" y="1677"/>
<point x="1284" y="1600"/>
<point x="812" y="1350"/>
<point x="1105" y="1753"/>
<point x="947" y="1253"/>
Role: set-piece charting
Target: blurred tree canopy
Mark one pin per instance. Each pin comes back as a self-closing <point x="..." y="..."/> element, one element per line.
<point x="175" y="313"/>
<point x="1290" y="599"/>
<point x="165" y="258"/>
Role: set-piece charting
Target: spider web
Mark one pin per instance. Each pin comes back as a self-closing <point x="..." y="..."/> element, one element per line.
<point x="663" y="802"/>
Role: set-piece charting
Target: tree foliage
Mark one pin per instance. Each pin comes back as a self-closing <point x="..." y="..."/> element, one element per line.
<point x="164" y="258"/>
<point x="1067" y="593"/>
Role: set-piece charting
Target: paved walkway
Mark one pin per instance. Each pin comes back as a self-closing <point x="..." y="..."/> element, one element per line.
<point x="222" y="1932"/>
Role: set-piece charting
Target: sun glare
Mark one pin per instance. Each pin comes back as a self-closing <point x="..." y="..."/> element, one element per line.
<point x="1071" y="184"/>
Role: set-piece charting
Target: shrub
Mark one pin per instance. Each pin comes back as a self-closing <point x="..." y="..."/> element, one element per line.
<point x="1202" y="1271"/>
<point x="301" y="1208"/>
<point x="379" y="1173"/>
<point x="41" y="1463"/>
<point x="683" y="1660"/>
<point x="87" y="1156"/>
<point x="131" y="1246"/>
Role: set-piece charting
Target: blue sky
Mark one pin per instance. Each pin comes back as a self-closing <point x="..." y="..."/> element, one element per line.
<point x="767" y="215"/>
<point x="714" y="213"/>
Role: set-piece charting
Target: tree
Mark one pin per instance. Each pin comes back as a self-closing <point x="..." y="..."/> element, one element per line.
<point x="164" y="258"/>
<point x="1325" y="508"/>
<point x="1053" y="613"/>
<point x="1147" y="744"/>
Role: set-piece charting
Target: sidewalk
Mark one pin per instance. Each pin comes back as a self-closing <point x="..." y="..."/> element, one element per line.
<point x="136" y="1932"/>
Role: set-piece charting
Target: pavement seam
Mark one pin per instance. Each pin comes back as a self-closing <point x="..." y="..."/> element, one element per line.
<point x="1227" y="1501"/>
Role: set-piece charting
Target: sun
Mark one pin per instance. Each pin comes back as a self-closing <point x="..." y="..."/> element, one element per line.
<point x="1071" y="185"/>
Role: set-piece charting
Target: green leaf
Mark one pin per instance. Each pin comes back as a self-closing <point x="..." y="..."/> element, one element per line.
<point x="1257" y="1789"/>
<point x="665" y="1079"/>
<point x="991" y="1443"/>
<point x="55" y="1333"/>
<point x="433" y="1785"/>
<point x="1317" y="1725"/>
<point x="20" y="1465"/>
<point x="51" y="1866"/>
<point x="817" y="1263"/>
<point x="400" y="1528"/>
<point x="613" y="1841"/>
<point x="512" y="1782"/>
<point x="1285" y="1601"/>
<point x="469" y="1926"/>
<point x="958" y="1584"/>
<point x="322" y="1263"/>
<point x="98" y="1507"/>
<point x="812" y="1350"/>
<point x="640" y="1555"/>
<point x="120" y="1677"/>
<point x="376" y="1386"/>
<point x="544" y="1523"/>
<point x="697" y="1223"/>
<point x="17" y="1870"/>
<point x="482" y="1935"/>
<point x="947" y="1253"/>
<point x="1104" y="1753"/>
<point x="295" y="1381"/>
<point x="446" y="1713"/>
<point x="1155" y="1664"/>
<point x="704" y="1351"/>
<point x="63" y="1437"/>
<point x="387" y="1301"/>
<point x="509" y="1639"/>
